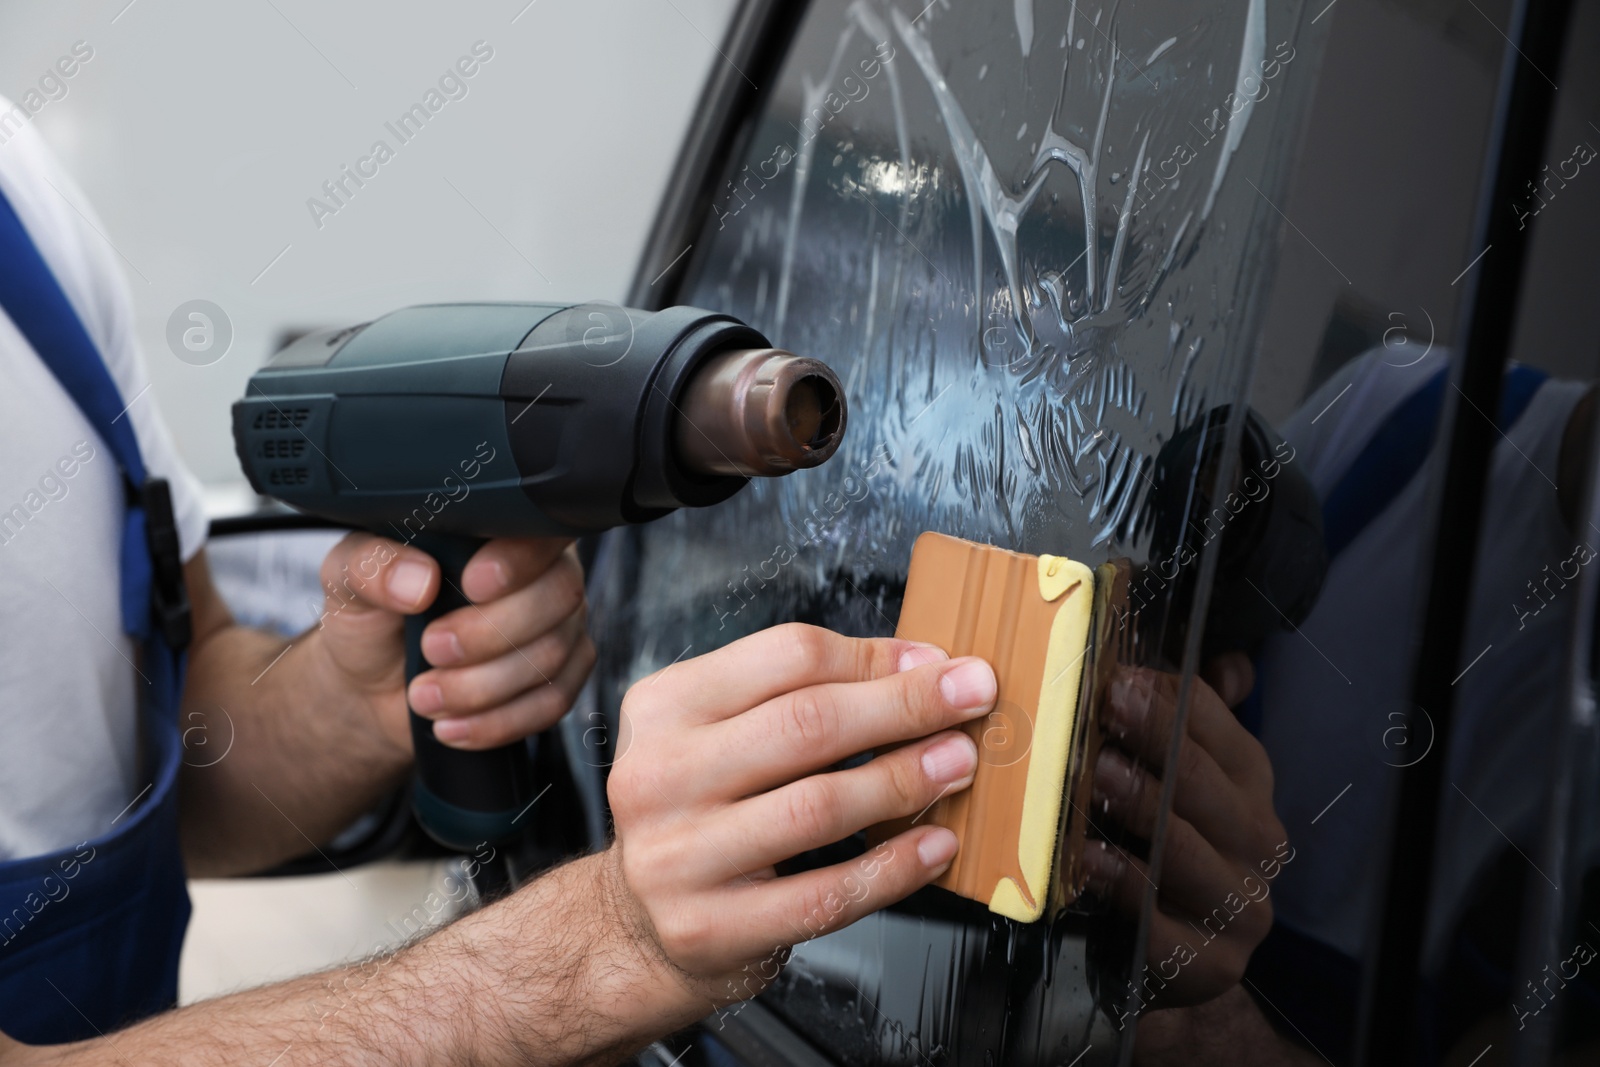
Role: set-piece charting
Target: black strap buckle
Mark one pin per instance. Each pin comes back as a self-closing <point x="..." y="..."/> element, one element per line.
<point x="168" y="590"/>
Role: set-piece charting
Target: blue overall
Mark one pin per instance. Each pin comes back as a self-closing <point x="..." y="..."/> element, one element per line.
<point x="1312" y="984"/>
<point x="89" y="935"/>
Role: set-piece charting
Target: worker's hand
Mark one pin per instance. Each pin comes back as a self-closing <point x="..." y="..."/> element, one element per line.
<point x="1224" y="843"/>
<point x="507" y="666"/>
<point x="725" y="773"/>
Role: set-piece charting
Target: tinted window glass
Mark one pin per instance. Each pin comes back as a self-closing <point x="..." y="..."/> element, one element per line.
<point x="1033" y="240"/>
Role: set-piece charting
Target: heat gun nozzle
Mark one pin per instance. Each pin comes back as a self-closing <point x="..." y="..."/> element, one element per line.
<point x="759" y="412"/>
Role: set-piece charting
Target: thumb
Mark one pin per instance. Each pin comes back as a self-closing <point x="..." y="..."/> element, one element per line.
<point x="368" y="583"/>
<point x="365" y="573"/>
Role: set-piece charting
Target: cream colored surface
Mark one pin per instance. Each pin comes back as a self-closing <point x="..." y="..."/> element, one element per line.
<point x="1052" y="737"/>
<point x="247" y="932"/>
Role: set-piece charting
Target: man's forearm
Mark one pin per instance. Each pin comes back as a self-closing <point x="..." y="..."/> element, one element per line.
<point x="278" y="756"/>
<point x="553" y="974"/>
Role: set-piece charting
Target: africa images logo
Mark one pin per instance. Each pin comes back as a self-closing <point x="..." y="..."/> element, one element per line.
<point x="343" y="186"/>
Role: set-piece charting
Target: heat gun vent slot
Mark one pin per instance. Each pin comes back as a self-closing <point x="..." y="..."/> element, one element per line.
<point x="288" y="476"/>
<point x="283" y="448"/>
<point x="281" y="419"/>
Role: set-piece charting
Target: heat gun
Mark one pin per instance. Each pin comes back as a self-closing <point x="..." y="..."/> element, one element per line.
<point x="443" y="425"/>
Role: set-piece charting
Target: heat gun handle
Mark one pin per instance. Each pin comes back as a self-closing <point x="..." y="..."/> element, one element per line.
<point x="462" y="799"/>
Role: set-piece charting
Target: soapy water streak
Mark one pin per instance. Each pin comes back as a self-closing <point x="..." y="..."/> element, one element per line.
<point x="989" y="202"/>
<point x="1045" y="435"/>
<point x="811" y="108"/>
<point x="1075" y="409"/>
<point x="1024" y="399"/>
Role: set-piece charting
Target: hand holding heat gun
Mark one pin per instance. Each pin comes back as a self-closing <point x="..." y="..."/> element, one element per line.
<point x="444" y="425"/>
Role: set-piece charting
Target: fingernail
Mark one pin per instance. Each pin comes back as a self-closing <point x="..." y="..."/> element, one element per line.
<point x="408" y="582"/>
<point x="501" y="576"/>
<point x="937" y="848"/>
<point x="969" y="686"/>
<point x="442" y="648"/>
<point x="921" y="655"/>
<point x="1130" y="699"/>
<point x="1103" y="865"/>
<point x="1236" y="681"/>
<point x="950" y="759"/>
<point x="1114" y="776"/>
<point x="426" y="698"/>
<point x="448" y="730"/>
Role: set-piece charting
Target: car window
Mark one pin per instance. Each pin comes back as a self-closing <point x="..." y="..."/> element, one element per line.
<point x="1033" y="241"/>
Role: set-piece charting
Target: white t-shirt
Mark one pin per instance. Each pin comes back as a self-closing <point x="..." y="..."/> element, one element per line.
<point x="1329" y="691"/>
<point x="68" y="763"/>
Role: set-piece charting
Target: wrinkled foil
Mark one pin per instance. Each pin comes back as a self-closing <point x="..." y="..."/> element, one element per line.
<point x="1030" y="239"/>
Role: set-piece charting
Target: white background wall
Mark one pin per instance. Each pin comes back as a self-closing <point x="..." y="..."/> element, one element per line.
<point x="198" y="131"/>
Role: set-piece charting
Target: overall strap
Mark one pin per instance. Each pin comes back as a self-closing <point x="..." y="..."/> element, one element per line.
<point x="1389" y="462"/>
<point x="107" y="937"/>
<point x="1396" y="451"/>
<point x="1316" y="986"/>
<point x="151" y="563"/>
